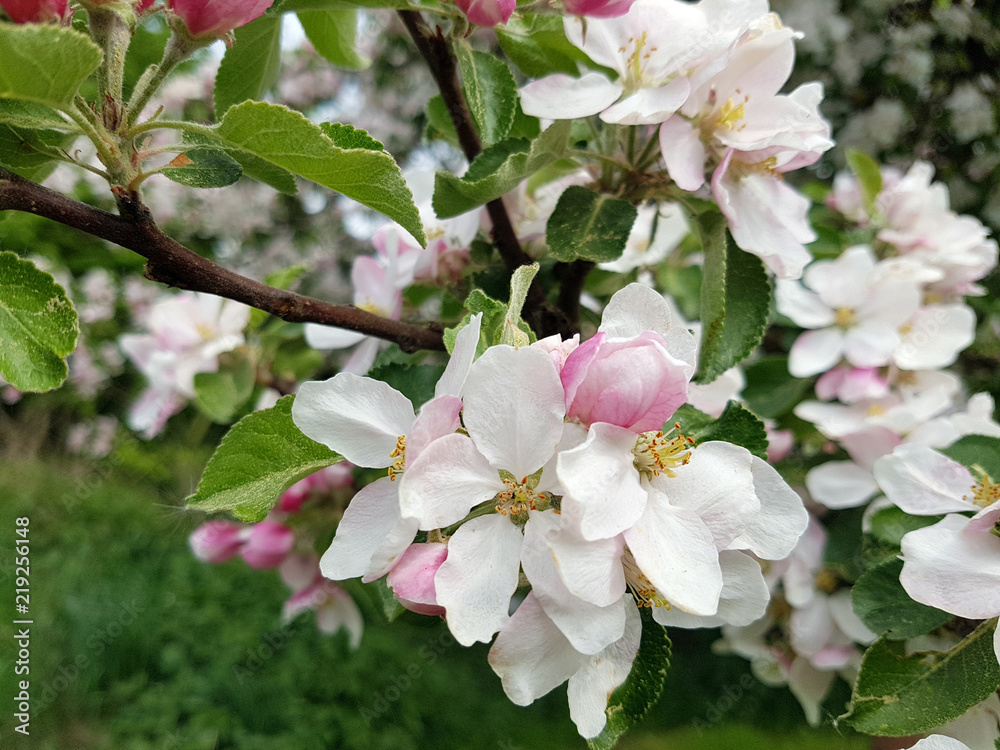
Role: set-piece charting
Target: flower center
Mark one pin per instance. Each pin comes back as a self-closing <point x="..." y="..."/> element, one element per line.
<point x="636" y="62"/>
<point x="985" y="492"/>
<point x="399" y="454"/>
<point x="730" y="114"/>
<point x="844" y="317"/>
<point x="657" y="453"/>
<point x="519" y="497"/>
<point x="642" y="589"/>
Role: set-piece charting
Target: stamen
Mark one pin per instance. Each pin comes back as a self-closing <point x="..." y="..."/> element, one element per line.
<point x="398" y="453"/>
<point x="658" y="453"/>
<point x="844" y="317"/>
<point x="642" y="589"/>
<point x="985" y="492"/>
<point x="518" y="498"/>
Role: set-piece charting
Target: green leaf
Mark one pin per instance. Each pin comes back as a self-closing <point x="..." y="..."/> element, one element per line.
<point x="736" y="425"/>
<point x="260" y="457"/>
<point x="735" y="300"/>
<point x="883" y="605"/>
<point x="897" y="695"/>
<point x="221" y="394"/>
<point x="249" y="69"/>
<point x="288" y="140"/>
<point x="490" y="91"/>
<point x="45" y="63"/>
<point x="31" y="115"/>
<point x="513" y="333"/>
<point x="588" y="225"/>
<point x="253" y="166"/>
<point x="976" y="450"/>
<point x="203" y="168"/>
<point x="868" y="174"/>
<point x="890" y="525"/>
<point x="439" y="121"/>
<point x="333" y="33"/>
<point x="498" y="170"/>
<point x="416" y="382"/>
<point x="537" y="44"/>
<point x="38" y="326"/>
<point x="348" y="136"/>
<point x="642" y="688"/>
<point x="29" y="153"/>
<point x="771" y="390"/>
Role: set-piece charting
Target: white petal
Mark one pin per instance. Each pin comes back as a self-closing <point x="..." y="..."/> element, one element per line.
<point x="562" y="97"/>
<point x="591" y="570"/>
<point x="531" y="656"/>
<point x="935" y="336"/>
<point x="360" y="418"/>
<point x="514" y="408"/>
<point x="683" y="152"/>
<point x="634" y="309"/>
<point x="842" y="612"/>
<point x="810" y="687"/>
<point x="371" y="516"/>
<point x="589" y="689"/>
<point x="870" y="344"/>
<point x="328" y="337"/>
<point x="448" y="479"/>
<point x="803" y="307"/>
<point x="452" y="380"/>
<point x="399" y="538"/>
<point x="815" y="351"/>
<point x="604" y="495"/>
<point x="677" y="553"/>
<point x="940" y="742"/>
<point x="840" y="484"/>
<point x="773" y="533"/>
<point x="743" y="600"/>
<point x="475" y="583"/>
<point x="437" y="418"/>
<point x="811" y="627"/>
<point x="924" y="482"/>
<point x="588" y="627"/>
<point x="649" y="106"/>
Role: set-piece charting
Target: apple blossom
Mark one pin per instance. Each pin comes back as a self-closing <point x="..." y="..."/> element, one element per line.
<point x="267" y="544"/>
<point x="216" y="18"/>
<point x="487" y="12"/>
<point x="217" y="541"/>
<point x="334" y="607"/>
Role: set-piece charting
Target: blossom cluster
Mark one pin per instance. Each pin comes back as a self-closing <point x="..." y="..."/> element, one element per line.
<point x="554" y="466"/>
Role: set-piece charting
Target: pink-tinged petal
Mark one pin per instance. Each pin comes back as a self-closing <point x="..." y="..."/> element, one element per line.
<point x="603" y="492"/>
<point x="924" y="482"/>
<point x="206" y="18"/>
<point x="591" y="686"/>
<point x="487" y="12"/>
<point x="591" y="570"/>
<point x="217" y="541"/>
<point x="369" y="519"/>
<point x="637" y="309"/>
<point x="360" y="418"/>
<point x="476" y="582"/>
<point x="934" y="337"/>
<point x="805" y="308"/>
<point x="446" y="482"/>
<point x="298" y="572"/>
<point x="574" y="369"/>
<point x="437" y="418"/>
<point x="598" y="8"/>
<point x="953" y="568"/>
<point x="986" y="519"/>
<point x="340" y="611"/>
<point x="412" y="579"/>
<point x="743" y="600"/>
<point x="267" y="545"/>
<point x="717" y="485"/>
<point x="840" y="484"/>
<point x="815" y="351"/>
<point x="452" y="381"/>
<point x="810" y="687"/>
<point x="842" y="612"/>
<point x="562" y="97"/>
<point x="531" y="656"/>
<point x="676" y="552"/>
<point x="514" y="408"/>
<point x="773" y="533"/>
<point x="870" y="444"/>
<point x="588" y="627"/>
<point x="649" y="106"/>
<point x="683" y="152"/>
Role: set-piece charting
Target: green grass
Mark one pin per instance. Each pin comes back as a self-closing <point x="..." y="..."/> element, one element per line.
<point x="138" y="646"/>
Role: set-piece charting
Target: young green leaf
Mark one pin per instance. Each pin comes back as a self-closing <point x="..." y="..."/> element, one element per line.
<point x="869" y="176"/>
<point x="288" y="140"/>
<point x="883" y="605"/>
<point x="35" y="116"/>
<point x="260" y="457"/>
<point x="45" y="63"/>
<point x="897" y="695"/>
<point x="38" y="326"/>
<point x="219" y="395"/>
<point x="333" y="34"/>
<point x="249" y="69"/>
<point x="253" y="166"/>
<point x="735" y="300"/>
<point x="642" y="688"/>
<point x="32" y="154"/>
<point x="736" y="425"/>
<point x="587" y="225"/>
<point x="490" y="91"/>
<point x="537" y="44"/>
<point x="977" y="450"/>
<point x="203" y="168"/>
<point x="498" y="170"/>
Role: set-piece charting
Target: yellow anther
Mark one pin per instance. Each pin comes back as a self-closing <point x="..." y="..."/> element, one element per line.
<point x="844" y="317"/>
<point x="399" y="454"/>
<point x="642" y="589"/>
<point x="985" y="492"/>
<point x="657" y="453"/>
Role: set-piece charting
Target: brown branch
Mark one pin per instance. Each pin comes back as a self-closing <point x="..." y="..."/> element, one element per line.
<point x="170" y="263"/>
<point x="572" y="277"/>
<point x="543" y="317"/>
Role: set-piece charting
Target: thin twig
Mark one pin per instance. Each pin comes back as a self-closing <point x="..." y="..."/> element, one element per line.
<point x="170" y="263"/>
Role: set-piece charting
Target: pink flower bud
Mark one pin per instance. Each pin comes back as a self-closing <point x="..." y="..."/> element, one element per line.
<point x="412" y="578"/>
<point x="267" y="545"/>
<point x="598" y="8"/>
<point x="633" y="383"/>
<point x="217" y="17"/>
<point x="34" y="11"/>
<point x="217" y="541"/>
<point x="143" y="5"/>
<point x="487" y="12"/>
